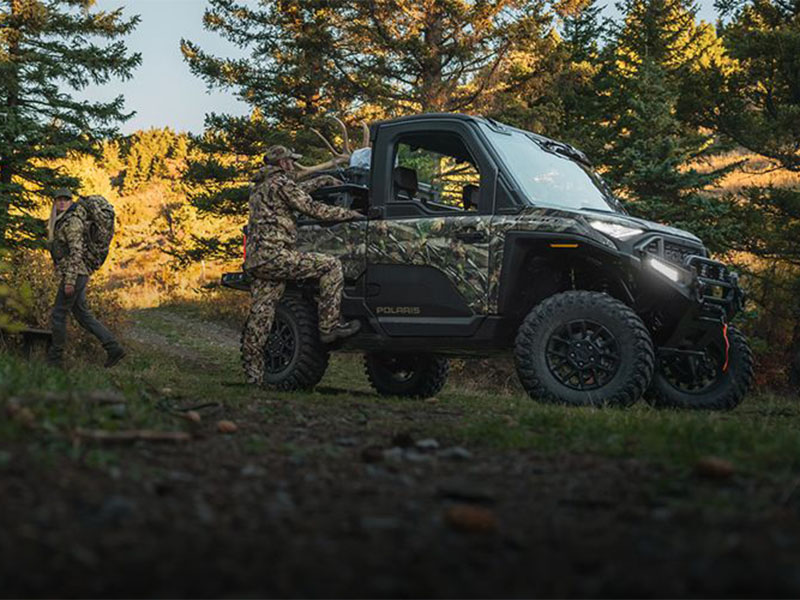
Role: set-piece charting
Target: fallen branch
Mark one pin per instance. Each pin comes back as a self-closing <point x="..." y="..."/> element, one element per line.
<point x="132" y="435"/>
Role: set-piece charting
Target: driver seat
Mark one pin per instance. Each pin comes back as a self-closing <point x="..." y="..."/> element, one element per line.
<point x="405" y="181"/>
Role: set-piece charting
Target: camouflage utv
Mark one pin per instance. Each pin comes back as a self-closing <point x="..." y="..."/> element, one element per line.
<point x="484" y="239"/>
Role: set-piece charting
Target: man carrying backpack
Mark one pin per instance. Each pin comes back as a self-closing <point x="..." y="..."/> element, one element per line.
<point x="68" y="232"/>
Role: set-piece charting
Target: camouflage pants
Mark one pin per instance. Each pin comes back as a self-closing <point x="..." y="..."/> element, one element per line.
<point x="269" y="283"/>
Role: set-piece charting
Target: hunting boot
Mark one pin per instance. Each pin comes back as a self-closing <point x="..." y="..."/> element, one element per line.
<point x="342" y="330"/>
<point x="114" y="356"/>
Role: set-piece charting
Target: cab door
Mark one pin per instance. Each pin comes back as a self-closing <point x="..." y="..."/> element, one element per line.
<point x="428" y="254"/>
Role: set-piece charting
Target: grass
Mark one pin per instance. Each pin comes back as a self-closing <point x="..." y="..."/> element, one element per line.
<point x="760" y="437"/>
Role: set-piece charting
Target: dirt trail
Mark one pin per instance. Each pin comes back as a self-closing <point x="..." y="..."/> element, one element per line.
<point x="186" y="337"/>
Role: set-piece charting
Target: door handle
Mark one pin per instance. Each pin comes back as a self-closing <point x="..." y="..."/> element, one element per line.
<point x="471" y="236"/>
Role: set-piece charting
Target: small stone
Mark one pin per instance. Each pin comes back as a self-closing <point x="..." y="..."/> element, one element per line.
<point x="393" y="454"/>
<point x="192" y="416"/>
<point x="427" y="444"/>
<point x="470" y="519"/>
<point x="412" y="455"/>
<point x="713" y="467"/>
<point x="346" y="441"/>
<point x="377" y="472"/>
<point x="252" y="471"/>
<point x="455" y="453"/>
<point x="227" y="427"/>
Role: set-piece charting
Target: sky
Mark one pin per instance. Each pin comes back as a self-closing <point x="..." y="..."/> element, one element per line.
<point x="163" y="92"/>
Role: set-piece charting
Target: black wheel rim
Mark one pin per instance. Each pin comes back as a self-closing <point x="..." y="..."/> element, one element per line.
<point x="400" y="368"/>
<point x="695" y="372"/>
<point x="583" y="355"/>
<point x="281" y="346"/>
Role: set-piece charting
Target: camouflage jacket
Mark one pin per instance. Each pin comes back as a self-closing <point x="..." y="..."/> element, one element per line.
<point x="68" y="247"/>
<point x="275" y="201"/>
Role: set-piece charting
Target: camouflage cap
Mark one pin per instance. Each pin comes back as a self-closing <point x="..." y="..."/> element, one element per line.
<point x="276" y="153"/>
<point x="63" y="193"/>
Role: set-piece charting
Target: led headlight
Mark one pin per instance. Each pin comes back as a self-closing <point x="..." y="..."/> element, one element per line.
<point x="666" y="270"/>
<point x="615" y="230"/>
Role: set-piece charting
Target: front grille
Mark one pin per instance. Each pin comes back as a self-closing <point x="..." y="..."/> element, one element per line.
<point x="671" y="250"/>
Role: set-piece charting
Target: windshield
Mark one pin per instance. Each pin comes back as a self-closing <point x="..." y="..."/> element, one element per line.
<point x="548" y="178"/>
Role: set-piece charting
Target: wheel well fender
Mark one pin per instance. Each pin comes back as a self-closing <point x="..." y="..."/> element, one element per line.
<point x="536" y="266"/>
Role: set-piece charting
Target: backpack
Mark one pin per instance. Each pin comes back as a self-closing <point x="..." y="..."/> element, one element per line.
<point x="98" y="231"/>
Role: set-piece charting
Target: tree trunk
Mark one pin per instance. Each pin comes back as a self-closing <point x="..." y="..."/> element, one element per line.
<point x="431" y="93"/>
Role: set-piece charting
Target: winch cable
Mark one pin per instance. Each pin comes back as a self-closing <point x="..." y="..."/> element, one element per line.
<point x="727" y="346"/>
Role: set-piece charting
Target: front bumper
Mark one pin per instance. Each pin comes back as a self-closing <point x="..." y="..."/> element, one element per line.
<point x="708" y="284"/>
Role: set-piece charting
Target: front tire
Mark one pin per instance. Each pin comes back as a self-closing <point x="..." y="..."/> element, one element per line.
<point x="584" y="349"/>
<point x="411" y="376"/>
<point x="687" y="381"/>
<point x="295" y="359"/>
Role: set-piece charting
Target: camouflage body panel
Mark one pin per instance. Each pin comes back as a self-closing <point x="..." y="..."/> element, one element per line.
<point x="531" y="219"/>
<point x="345" y="241"/>
<point x="475" y="269"/>
<point x="433" y="242"/>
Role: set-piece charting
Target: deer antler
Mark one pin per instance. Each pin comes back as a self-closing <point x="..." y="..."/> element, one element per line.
<point x="364" y="134"/>
<point x="338" y="157"/>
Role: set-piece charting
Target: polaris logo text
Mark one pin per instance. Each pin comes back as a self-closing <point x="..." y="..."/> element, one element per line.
<point x="398" y="310"/>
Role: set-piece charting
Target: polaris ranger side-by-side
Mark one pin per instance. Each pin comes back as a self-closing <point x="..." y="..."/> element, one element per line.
<point x="481" y="239"/>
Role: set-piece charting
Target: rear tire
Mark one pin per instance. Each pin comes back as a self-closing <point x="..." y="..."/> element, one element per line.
<point x="295" y="359"/>
<point x="584" y="349"/>
<point x="717" y="390"/>
<point x="411" y="376"/>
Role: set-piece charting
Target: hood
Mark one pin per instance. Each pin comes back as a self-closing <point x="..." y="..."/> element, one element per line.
<point x="660" y="228"/>
<point x="643" y="224"/>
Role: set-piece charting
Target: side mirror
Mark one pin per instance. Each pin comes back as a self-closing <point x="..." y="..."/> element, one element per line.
<point x="375" y="212"/>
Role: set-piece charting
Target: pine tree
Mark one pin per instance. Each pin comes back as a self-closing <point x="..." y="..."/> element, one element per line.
<point x="581" y="82"/>
<point x="756" y="104"/>
<point x="48" y="50"/>
<point x="435" y="55"/>
<point x="650" y="152"/>
<point x="305" y="59"/>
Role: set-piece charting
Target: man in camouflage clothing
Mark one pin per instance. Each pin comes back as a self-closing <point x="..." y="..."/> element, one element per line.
<point x="67" y="247"/>
<point x="272" y="260"/>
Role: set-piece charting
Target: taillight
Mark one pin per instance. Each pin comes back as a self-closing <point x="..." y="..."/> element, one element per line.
<point x="244" y="248"/>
